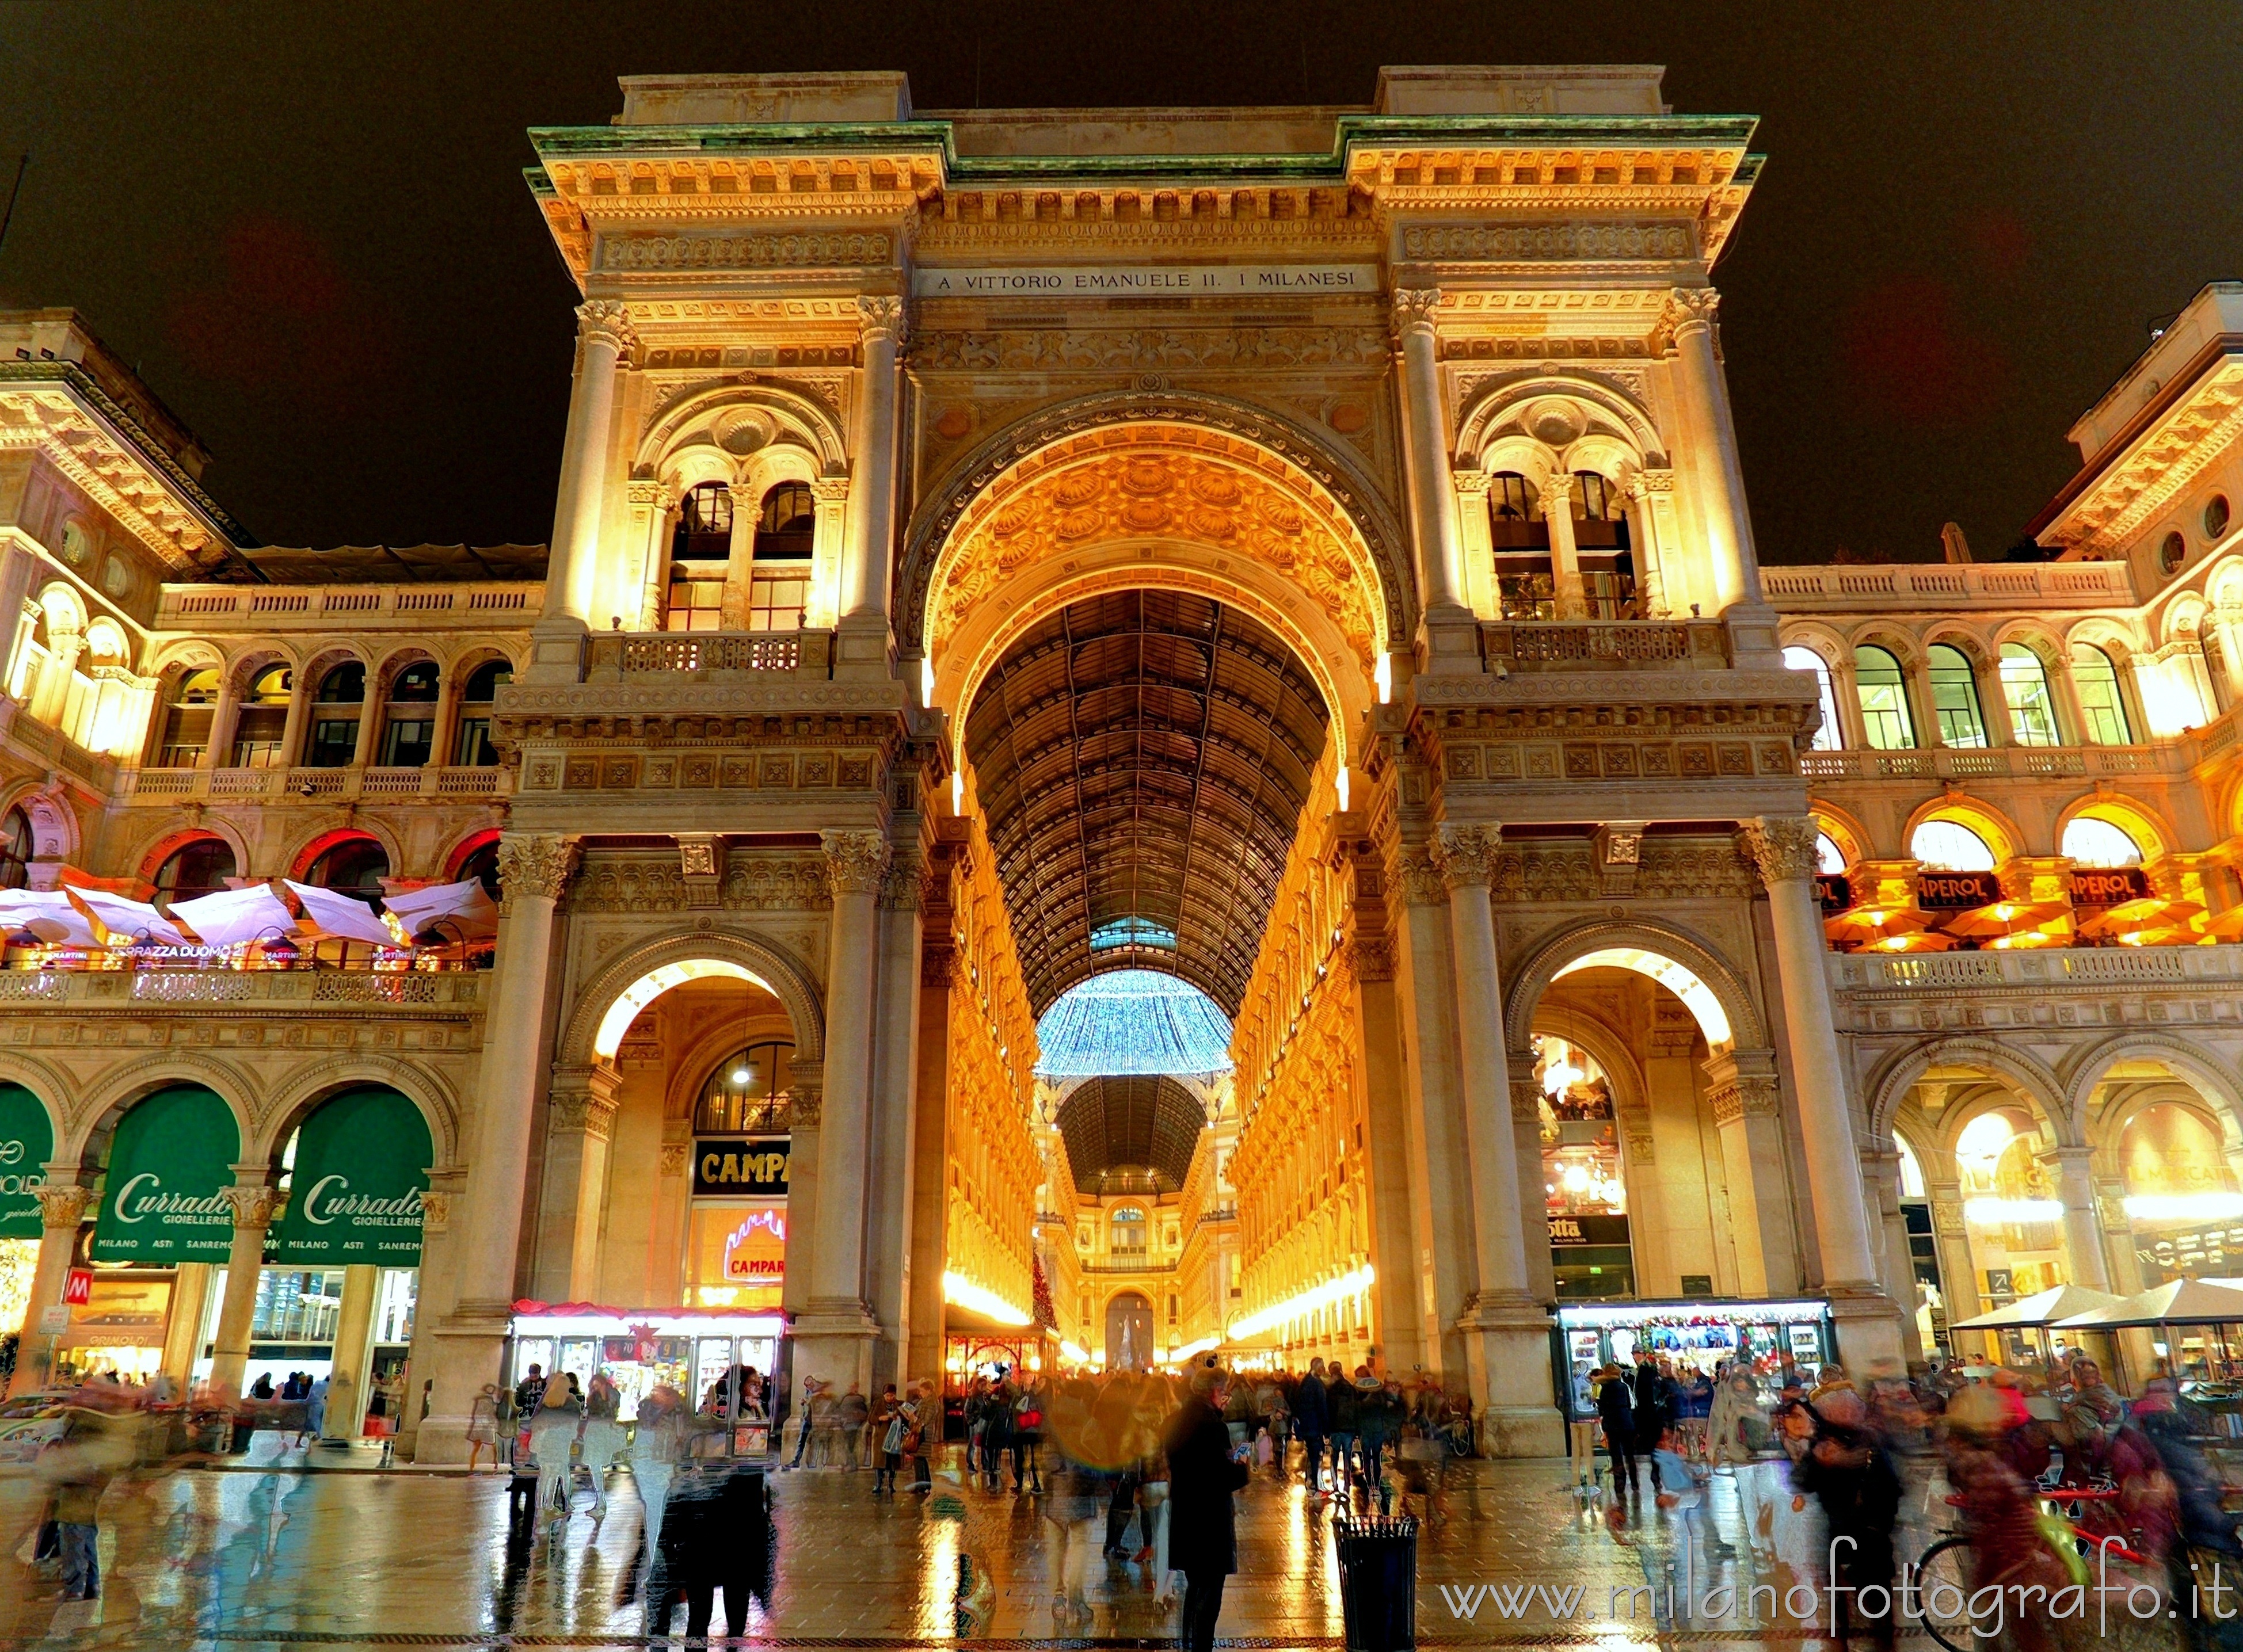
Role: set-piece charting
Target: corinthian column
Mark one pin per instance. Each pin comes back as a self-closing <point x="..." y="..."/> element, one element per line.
<point x="1425" y="448"/>
<point x="1713" y="445"/>
<point x="1503" y="1324"/>
<point x="872" y="485"/>
<point x="255" y="1208"/>
<point x="534" y="872"/>
<point x="835" y="1330"/>
<point x="1781" y="848"/>
<point x="1565" y="548"/>
<point x="62" y="1208"/>
<point x="572" y="570"/>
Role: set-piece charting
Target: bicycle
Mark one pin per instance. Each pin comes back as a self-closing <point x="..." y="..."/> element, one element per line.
<point x="1943" y="1579"/>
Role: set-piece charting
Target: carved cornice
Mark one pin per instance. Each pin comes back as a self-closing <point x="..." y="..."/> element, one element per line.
<point x="1468" y="855"/>
<point x="253" y="1207"/>
<point x="1781" y="848"/>
<point x="61" y="1205"/>
<point x="1414" y="311"/>
<point x="606" y="322"/>
<point x="855" y="861"/>
<point x="536" y="864"/>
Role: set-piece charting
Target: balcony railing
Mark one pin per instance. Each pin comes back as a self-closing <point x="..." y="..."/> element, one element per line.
<point x="2092" y="969"/>
<point x="455" y="990"/>
<point x="2024" y="763"/>
<point x="322" y="785"/>
<point x="1994" y="585"/>
<point x="1604" y="645"/>
<point x="617" y="655"/>
<point x="501" y="606"/>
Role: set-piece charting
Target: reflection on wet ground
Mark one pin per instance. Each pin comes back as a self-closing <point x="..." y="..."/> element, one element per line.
<point x="273" y="1554"/>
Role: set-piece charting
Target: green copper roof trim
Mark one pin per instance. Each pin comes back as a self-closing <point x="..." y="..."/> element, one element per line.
<point x="69" y="372"/>
<point x="1352" y="130"/>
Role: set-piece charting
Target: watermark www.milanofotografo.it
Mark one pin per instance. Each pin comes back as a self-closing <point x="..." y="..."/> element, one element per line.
<point x="1983" y="1611"/>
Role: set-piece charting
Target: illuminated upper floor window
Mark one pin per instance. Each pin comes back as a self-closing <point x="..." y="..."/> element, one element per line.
<point x="1827" y="737"/>
<point x="1950" y="846"/>
<point x="2024" y="691"/>
<point x="1883" y="692"/>
<point x="1955" y="696"/>
<point x="2091" y="841"/>
<point x="2102" y="706"/>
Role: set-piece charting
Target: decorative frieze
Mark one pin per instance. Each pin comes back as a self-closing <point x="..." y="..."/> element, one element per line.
<point x="1602" y="241"/>
<point x="750" y="883"/>
<point x="626" y="254"/>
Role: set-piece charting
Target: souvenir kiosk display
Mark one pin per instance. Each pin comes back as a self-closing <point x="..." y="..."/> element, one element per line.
<point x="694" y="1350"/>
<point x="1702" y="1333"/>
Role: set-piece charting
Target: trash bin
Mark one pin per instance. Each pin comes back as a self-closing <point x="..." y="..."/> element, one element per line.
<point x="243" y="1428"/>
<point x="1379" y="1583"/>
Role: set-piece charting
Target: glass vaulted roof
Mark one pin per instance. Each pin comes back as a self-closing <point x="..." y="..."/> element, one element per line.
<point x="1127" y="1022"/>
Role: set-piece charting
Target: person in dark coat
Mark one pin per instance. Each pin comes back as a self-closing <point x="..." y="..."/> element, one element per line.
<point x="1312" y="1417"/>
<point x="1847" y="1469"/>
<point x="1204" y="1472"/>
<point x="1616" y="1411"/>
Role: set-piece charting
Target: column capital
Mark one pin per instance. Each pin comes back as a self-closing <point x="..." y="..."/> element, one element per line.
<point x="855" y="861"/>
<point x="606" y="322"/>
<point x="1781" y="848"/>
<point x="1419" y="874"/>
<point x="1526" y="1088"/>
<point x="538" y="863"/>
<point x="253" y="1207"/>
<point x="1414" y="309"/>
<point x="435" y="1211"/>
<point x="62" y="1204"/>
<point x="1556" y="494"/>
<point x="1471" y="481"/>
<point x="1467" y="856"/>
<point x="829" y="490"/>
<point x="646" y="492"/>
<point x="1690" y="306"/>
<point x="880" y="319"/>
<point x="805" y="1095"/>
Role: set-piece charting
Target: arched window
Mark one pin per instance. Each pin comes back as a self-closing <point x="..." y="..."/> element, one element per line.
<point x="409" y="725"/>
<point x="262" y="722"/>
<point x="1600" y="546"/>
<point x="1830" y="736"/>
<point x="483" y="866"/>
<point x="700" y="550"/>
<point x="1829" y="859"/>
<point x="778" y="584"/>
<point x="1955" y="696"/>
<point x="2024" y="690"/>
<point x="355" y="866"/>
<point x="199" y="867"/>
<point x="472" y="747"/>
<point x="187" y="719"/>
<point x="1125" y="1231"/>
<point x="16" y="850"/>
<point x="1884" y="693"/>
<point x="105" y="644"/>
<point x="1950" y="846"/>
<point x="741" y="1093"/>
<point x="2091" y="841"/>
<point x="333" y="741"/>
<point x="1524" y="585"/>
<point x="2101" y="705"/>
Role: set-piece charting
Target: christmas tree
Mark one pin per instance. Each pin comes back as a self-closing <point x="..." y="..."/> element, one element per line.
<point x="1047" y="1316"/>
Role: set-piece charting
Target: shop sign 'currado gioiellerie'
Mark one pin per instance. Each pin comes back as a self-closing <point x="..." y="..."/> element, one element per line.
<point x="355" y="1189"/>
<point x="27" y="1141"/>
<point x="163" y="1198"/>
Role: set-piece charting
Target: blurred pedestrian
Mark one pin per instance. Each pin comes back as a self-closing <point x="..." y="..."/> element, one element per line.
<point x="483" y="1426"/>
<point x="603" y="1436"/>
<point x="553" y="1429"/>
<point x="1204" y="1471"/>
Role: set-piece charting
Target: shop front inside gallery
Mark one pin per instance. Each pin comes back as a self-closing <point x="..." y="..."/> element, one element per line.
<point x="1142" y="732"/>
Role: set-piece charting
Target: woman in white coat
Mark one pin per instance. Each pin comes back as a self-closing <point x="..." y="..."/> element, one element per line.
<point x="553" y="1429"/>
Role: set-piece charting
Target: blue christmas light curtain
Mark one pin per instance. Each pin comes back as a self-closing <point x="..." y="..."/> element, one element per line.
<point x="1133" y="1021"/>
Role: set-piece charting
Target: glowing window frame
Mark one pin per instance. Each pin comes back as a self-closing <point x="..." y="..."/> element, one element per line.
<point x="656" y="982"/>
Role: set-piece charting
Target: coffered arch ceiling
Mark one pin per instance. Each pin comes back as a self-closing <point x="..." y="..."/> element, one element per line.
<point x="1141" y="758"/>
<point x="1121" y="1134"/>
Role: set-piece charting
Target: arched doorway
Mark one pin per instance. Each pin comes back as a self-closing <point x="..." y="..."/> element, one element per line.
<point x="1130" y="1333"/>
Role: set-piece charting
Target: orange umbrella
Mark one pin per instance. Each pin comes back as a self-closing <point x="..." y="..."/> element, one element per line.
<point x="2000" y="917"/>
<point x="2151" y="912"/>
<point x="2160" y="937"/>
<point x="1864" y="924"/>
<point x="2227" y="926"/>
<point x="2022" y="939"/>
<point x="1924" y="941"/>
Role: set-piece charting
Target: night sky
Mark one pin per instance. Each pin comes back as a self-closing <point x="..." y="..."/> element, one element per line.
<point x="305" y="223"/>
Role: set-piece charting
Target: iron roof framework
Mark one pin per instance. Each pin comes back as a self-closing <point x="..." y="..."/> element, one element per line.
<point x="1144" y="754"/>
<point x="1132" y="1134"/>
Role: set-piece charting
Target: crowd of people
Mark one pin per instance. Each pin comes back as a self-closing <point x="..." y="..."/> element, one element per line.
<point x="1818" y="1461"/>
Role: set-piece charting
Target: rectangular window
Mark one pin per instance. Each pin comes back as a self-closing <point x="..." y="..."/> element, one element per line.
<point x="333" y="743"/>
<point x="473" y="749"/>
<point x="695" y="605"/>
<point x="257" y="737"/>
<point x="777" y="597"/>
<point x="405" y="743"/>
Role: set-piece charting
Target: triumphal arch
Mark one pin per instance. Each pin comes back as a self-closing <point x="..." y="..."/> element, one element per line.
<point x="1299" y="554"/>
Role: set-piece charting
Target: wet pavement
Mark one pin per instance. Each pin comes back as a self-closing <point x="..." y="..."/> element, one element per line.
<point x="275" y="1552"/>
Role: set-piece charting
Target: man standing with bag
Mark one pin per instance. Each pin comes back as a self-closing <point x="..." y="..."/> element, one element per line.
<point x="1203" y="1473"/>
<point x="1312" y="1416"/>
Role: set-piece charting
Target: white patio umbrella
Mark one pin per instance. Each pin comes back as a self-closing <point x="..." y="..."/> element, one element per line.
<point x="232" y="917"/>
<point x="126" y="921"/>
<point x="339" y="915"/>
<point x="47" y="914"/>
<point x="464" y="909"/>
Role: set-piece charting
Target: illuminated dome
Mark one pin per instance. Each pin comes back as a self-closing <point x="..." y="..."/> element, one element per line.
<point x="1133" y="1021"/>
